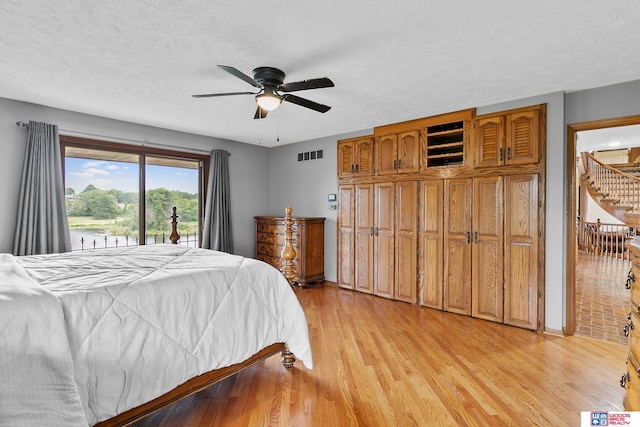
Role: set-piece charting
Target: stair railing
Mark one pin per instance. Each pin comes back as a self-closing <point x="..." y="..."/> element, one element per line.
<point x="609" y="240"/>
<point x="621" y="188"/>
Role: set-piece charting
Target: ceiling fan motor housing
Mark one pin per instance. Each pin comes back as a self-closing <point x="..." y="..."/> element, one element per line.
<point x="268" y="76"/>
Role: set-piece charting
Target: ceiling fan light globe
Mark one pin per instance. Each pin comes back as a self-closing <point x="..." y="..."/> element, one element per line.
<point x="268" y="102"/>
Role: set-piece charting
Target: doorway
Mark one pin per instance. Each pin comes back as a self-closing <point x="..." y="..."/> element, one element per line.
<point x="589" y="271"/>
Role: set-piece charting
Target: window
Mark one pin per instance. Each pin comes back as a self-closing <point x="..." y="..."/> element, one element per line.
<point x="122" y="195"/>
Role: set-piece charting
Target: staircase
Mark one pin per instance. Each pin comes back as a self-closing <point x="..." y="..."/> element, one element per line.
<point x="616" y="188"/>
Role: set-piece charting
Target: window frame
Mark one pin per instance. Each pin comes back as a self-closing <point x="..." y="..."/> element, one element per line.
<point x="143" y="151"/>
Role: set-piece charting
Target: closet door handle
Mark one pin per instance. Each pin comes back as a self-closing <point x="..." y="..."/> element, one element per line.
<point x="375" y="231"/>
<point x="468" y="237"/>
<point x="501" y="156"/>
<point x="509" y="153"/>
<point x="475" y="237"/>
<point x="395" y="164"/>
<point x="399" y="162"/>
<point x="370" y="231"/>
<point x="356" y="168"/>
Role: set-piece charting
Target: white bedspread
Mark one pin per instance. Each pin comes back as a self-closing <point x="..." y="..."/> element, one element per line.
<point x="142" y="320"/>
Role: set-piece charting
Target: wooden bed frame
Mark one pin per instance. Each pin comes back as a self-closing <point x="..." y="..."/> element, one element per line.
<point x="210" y="378"/>
<point x="195" y="385"/>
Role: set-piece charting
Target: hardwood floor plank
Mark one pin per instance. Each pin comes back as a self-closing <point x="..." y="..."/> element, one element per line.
<point x="384" y="363"/>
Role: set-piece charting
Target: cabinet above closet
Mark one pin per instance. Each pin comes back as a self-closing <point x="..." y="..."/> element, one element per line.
<point x="452" y="144"/>
<point x="508" y="139"/>
<point x="355" y="157"/>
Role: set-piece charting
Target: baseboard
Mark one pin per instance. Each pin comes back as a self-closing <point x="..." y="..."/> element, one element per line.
<point x="554" y="332"/>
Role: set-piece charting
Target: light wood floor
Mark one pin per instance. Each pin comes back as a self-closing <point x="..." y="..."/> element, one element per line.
<point x="385" y="363"/>
<point x="602" y="301"/>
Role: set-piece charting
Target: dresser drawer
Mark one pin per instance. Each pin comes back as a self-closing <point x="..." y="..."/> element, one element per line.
<point x="269" y="238"/>
<point x="631" y="383"/>
<point x="633" y="281"/>
<point x="269" y="249"/>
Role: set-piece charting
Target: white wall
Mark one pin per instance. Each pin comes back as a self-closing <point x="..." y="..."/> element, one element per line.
<point x="248" y="164"/>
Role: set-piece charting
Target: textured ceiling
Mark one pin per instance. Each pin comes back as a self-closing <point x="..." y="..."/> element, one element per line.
<point x="141" y="61"/>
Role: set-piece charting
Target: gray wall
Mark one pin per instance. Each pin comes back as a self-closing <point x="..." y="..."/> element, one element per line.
<point x="306" y="185"/>
<point x="248" y="164"/>
<point x="608" y="102"/>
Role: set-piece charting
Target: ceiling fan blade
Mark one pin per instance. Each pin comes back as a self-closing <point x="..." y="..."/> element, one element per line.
<point x="239" y="74"/>
<point x="208" y="95"/>
<point x="306" y="84"/>
<point x="306" y="103"/>
<point x="261" y="113"/>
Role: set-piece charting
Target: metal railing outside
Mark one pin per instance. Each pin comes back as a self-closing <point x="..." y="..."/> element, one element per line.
<point x="93" y="241"/>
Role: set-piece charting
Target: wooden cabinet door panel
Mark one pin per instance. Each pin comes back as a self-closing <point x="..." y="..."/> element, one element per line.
<point x="387" y="154"/>
<point x="489" y="135"/>
<point x="457" y="287"/>
<point x="384" y="241"/>
<point x="346" y="236"/>
<point x="364" y="157"/>
<point x="522" y="137"/>
<point x="408" y="152"/>
<point x="364" y="221"/>
<point x="346" y="159"/>
<point x="521" y="251"/>
<point x="457" y="241"/>
<point x="431" y="242"/>
<point x="488" y="258"/>
<point x="406" y="246"/>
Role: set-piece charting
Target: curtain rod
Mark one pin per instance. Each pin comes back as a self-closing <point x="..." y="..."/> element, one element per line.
<point x="22" y="124"/>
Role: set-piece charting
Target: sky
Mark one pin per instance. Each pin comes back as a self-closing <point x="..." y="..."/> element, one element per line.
<point x="107" y="175"/>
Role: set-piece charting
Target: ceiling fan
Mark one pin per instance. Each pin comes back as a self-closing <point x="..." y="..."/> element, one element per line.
<point x="270" y="81"/>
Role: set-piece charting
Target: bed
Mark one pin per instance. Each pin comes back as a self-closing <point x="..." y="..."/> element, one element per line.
<point x="108" y="336"/>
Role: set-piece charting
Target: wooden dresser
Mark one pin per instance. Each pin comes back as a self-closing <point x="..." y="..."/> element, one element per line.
<point x="308" y="242"/>
<point x="631" y="379"/>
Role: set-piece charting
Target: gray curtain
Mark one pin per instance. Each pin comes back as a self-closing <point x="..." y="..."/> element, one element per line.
<point x="217" y="233"/>
<point x="42" y="226"/>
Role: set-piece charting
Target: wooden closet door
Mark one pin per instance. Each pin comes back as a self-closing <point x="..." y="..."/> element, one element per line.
<point x="384" y="240"/>
<point x="406" y="245"/>
<point x="364" y="221"/>
<point x="521" y="251"/>
<point x="431" y="242"/>
<point x="457" y="244"/>
<point x="346" y="236"/>
<point x="488" y="254"/>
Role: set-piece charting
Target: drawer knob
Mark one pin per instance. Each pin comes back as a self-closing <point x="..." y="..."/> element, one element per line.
<point x="631" y="278"/>
<point x="624" y="379"/>
<point x="627" y="328"/>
